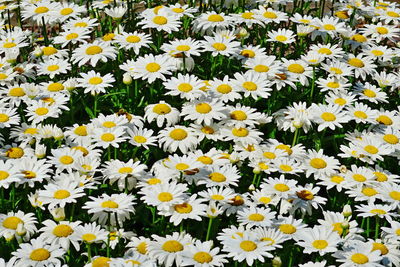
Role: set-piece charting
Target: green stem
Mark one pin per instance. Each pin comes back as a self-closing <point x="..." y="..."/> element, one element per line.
<point x="89" y="252"/>
<point x="296" y="133"/>
<point x="209" y="229"/>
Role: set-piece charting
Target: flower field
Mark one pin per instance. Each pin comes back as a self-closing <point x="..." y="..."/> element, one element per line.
<point x="199" y="133"/>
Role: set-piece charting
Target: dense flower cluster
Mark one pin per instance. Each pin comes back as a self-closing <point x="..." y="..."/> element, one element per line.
<point x="207" y="133"/>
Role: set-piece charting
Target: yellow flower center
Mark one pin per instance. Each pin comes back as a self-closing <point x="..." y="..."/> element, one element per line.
<point x="360" y="114"/>
<point x="133" y="39"/>
<point x="107" y="137"/>
<point x="178" y="10"/>
<point x="256" y="217"/>
<point x="101" y="262"/>
<point x="359" y="38"/>
<point x="378" y="211"/>
<point x="49" y="50"/>
<point x="61" y="194"/>
<point x="81" y="130"/>
<point x="160" y="20"/>
<point x="224" y="89"/>
<point x="55" y="87"/>
<point x="172" y="246"/>
<point x="217" y="177"/>
<point x="371" y="149"/>
<point x="12" y="222"/>
<point x="265" y="200"/>
<point x="251" y="86"/>
<point x="9" y="45"/>
<point x="340" y="101"/>
<point x="162" y="109"/>
<point x="286" y="168"/>
<point x="202" y="257"/>
<point x="217" y="197"/>
<point x="296" y="68"/>
<point x="369" y="93"/>
<point x="71" y="36"/>
<point x="383" y="119"/>
<point x="62" y="230"/>
<point x="66" y="160"/>
<point x="248" y="53"/>
<point x="240" y="132"/>
<point x="269" y="15"/>
<point x="95" y="80"/>
<point x="181" y="166"/>
<point x="109" y="204"/>
<point x="219" y="46"/>
<point x="88" y="237"/>
<point x="355" y="62"/>
<point x="391" y="139"/>
<point x="329" y="27"/>
<point x="336" y="70"/>
<point x="320" y="244"/>
<point x="337" y="179"/>
<point x="205" y="160"/>
<point x="328" y="116"/>
<point x="377" y="53"/>
<point x="395" y="195"/>
<point x="215" y="18"/>
<point x="382" y="30"/>
<point x="94" y="50"/>
<point x="165" y="196"/>
<point x="3" y="76"/>
<point x="281" y="38"/>
<point x="248" y="15"/>
<point x="381" y="247"/>
<point x="183" y="208"/>
<point x="41" y="111"/>
<point x="305" y="195"/>
<point x="4" y="175"/>
<point x="318" y="163"/>
<point x="359" y="258"/>
<point x="207" y="130"/>
<point x="153" y="181"/>
<point x="142" y="248"/>
<point x="29" y="174"/>
<point x="125" y="170"/>
<point x="359" y="177"/>
<point x="203" y="108"/>
<point x="281" y="187"/>
<point x="238" y="115"/>
<point x="66" y="11"/>
<point x="178" y="134"/>
<point x="380" y="177"/>
<point x="16" y="92"/>
<point x="41" y="10"/>
<point x="333" y="84"/>
<point x="4" y="118"/>
<point x="15" y="152"/>
<point x="39" y="254"/>
<point x="369" y="191"/>
<point x="140" y="139"/>
<point x="287" y="229"/>
<point x="248" y="245"/>
<point x="153" y="67"/>
<point x="185" y="87"/>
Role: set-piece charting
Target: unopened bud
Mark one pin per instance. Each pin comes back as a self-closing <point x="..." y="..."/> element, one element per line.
<point x="127" y="79"/>
<point x="276" y="262"/>
<point x="38" y="52"/>
<point x="298" y="123"/>
<point x="58" y="214"/>
<point x="243" y="33"/>
<point x="345" y="225"/>
<point x="8" y="236"/>
<point x="252" y="187"/>
<point x="21" y="230"/>
<point x="347" y="211"/>
<point x="256" y="170"/>
<point x="343" y="169"/>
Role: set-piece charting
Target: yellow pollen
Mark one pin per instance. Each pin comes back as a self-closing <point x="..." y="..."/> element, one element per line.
<point x="109" y="204"/>
<point x="183" y="208"/>
<point x="269" y="15"/>
<point x="61" y="194"/>
<point x="359" y="177"/>
<point x="205" y="160"/>
<point x="286" y="168"/>
<point x="153" y="67"/>
<point x="125" y="170"/>
<point x="248" y="53"/>
<point x="360" y="114"/>
<point x="107" y="137"/>
<point x="4" y="175"/>
<point x="49" y="50"/>
<point x="383" y="119"/>
<point x="377" y="53"/>
<point x="95" y="80"/>
<point x="219" y="46"/>
<point x="41" y="9"/>
<point x="165" y="196"/>
<point x="217" y="177"/>
<point x="381" y="247"/>
<point x="161" y="109"/>
<point x="305" y="195"/>
<point x="15" y="152"/>
<point x="224" y="88"/>
<point x="327" y="116"/>
<point x="181" y="166"/>
<point x="359" y="258"/>
<point x="142" y="248"/>
<point x="355" y="62"/>
<point x="29" y="174"/>
<point x="281" y="38"/>
<point x="215" y="18"/>
<point x="238" y="115"/>
<point x="66" y="160"/>
<point x="12" y="222"/>
<point x="133" y="39"/>
<point x="337" y="179"/>
<point x="336" y="70"/>
<point x="391" y="139"/>
<point x="248" y="15"/>
<point x="248" y="245"/>
<point x="318" y="163"/>
<point x="203" y="108"/>
<point x="71" y="36"/>
<point x="217" y="197"/>
<point x="62" y="230"/>
<point x="382" y="30"/>
<point x="178" y="134"/>
<point x="16" y="92"/>
<point x="172" y="246"/>
<point x="380" y="177"/>
<point x="94" y="50"/>
<point x="66" y="11"/>
<point x="202" y="257"/>
<point x="39" y="254"/>
<point x="369" y="191"/>
<point x="333" y="85"/>
<point x="89" y="237"/>
<point x="251" y="86"/>
<point x="160" y="20"/>
<point x="101" y="262"/>
<point x="371" y="149"/>
<point x="185" y="87"/>
<point x="395" y="195"/>
<point x="4" y="118"/>
<point x="320" y="244"/>
<point x="256" y="217"/>
<point x="296" y="68"/>
<point x="340" y="101"/>
<point x="240" y="132"/>
<point x="81" y="130"/>
<point x="378" y="211"/>
<point x="9" y="45"/>
<point x="281" y="187"/>
<point x="55" y="87"/>
<point x="140" y="139"/>
<point x="287" y="229"/>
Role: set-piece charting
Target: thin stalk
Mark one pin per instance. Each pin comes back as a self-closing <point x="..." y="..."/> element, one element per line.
<point x="209" y="229"/>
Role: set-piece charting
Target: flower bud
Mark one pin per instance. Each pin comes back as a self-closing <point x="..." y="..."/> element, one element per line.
<point x="243" y="33"/>
<point x="276" y="262"/>
<point x="21" y="230"/>
<point x="40" y="151"/>
<point x="127" y="79"/>
<point x="252" y="187"/>
<point x="256" y="170"/>
<point x="8" y="236"/>
<point x="298" y="123"/>
<point x="38" y="52"/>
<point x="58" y="214"/>
<point x="347" y="211"/>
